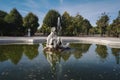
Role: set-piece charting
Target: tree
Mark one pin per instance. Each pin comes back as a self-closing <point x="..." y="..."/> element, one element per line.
<point x="31" y="22"/>
<point x="14" y="20"/>
<point x="102" y="23"/>
<point x="70" y="30"/>
<point x="45" y="29"/>
<point x="86" y="26"/>
<point x="77" y="22"/>
<point x="115" y="29"/>
<point x="2" y="22"/>
<point x="66" y="20"/>
<point x="94" y="30"/>
<point x="109" y="30"/>
<point x="51" y="18"/>
<point x="2" y="14"/>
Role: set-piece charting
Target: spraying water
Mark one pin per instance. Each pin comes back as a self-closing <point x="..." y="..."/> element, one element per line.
<point x="58" y="26"/>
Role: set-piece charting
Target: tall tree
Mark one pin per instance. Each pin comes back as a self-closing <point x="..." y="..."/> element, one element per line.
<point x="2" y="22"/>
<point x="94" y="30"/>
<point x="14" y="19"/>
<point x="102" y="23"/>
<point x="31" y="22"/>
<point x="66" y="20"/>
<point x="86" y="26"/>
<point x="2" y="14"/>
<point x="77" y="23"/>
<point x="45" y="29"/>
<point x="109" y="30"/>
<point x="116" y="26"/>
<point x="51" y="18"/>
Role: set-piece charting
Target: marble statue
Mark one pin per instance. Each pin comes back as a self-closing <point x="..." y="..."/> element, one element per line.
<point x="54" y="42"/>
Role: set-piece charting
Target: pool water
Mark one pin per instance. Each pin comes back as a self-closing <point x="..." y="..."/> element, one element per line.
<point x="81" y="62"/>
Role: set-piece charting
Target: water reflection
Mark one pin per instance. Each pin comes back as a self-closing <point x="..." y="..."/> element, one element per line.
<point x="101" y="50"/>
<point x="14" y="52"/>
<point x="55" y="57"/>
<point x="76" y="49"/>
<point x="72" y="64"/>
<point x="52" y="57"/>
<point x="31" y="51"/>
<point x="80" y="49"/>
<point x="116" y="53"/>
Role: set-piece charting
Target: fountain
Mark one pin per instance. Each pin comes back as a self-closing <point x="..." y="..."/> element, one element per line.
<point x="54" y="42"/>
<point x="58" y="26"/>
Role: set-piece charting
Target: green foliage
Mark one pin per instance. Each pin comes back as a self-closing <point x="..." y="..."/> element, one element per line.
<point x="45" y="29"/>
<point x="2" y="14"/>
<point x="12" y="24"/>
<point x="14" y="20"/>
<point x="102" y="23"/>
<point x="115" y="26"/>
<point x="66" y="20"/>
<point x="74" y="25"/>
<point x="51" y="18"/>
<point x="86" y="26"/>
<point x="94" y="30"/>
<point x="71" y="26"/>
<point x="2" y="22"/>
<point x="49" y="21"/>
<point x="109" y="30"/>
<point x="14" y="17"/>
<point x="77" y="22"/>
<point x="31" y="22"/>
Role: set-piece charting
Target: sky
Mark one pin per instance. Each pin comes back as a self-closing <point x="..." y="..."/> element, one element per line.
<point x="89" y="9"/>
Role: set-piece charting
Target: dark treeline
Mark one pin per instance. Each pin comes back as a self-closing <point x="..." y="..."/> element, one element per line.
<point x="78" y="25"/>
<point x="13" y="24"/>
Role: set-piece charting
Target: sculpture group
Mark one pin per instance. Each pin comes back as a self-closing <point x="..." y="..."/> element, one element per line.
<point x="54" y="42"/>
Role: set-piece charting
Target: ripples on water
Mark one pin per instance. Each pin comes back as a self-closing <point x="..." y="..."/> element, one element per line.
<point x="81" y="62"/>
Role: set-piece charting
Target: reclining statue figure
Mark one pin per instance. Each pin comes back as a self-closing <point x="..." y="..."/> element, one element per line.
<point x="53" y="41"/>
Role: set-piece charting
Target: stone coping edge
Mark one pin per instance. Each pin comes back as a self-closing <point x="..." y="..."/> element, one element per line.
<point x="112" y="42"/>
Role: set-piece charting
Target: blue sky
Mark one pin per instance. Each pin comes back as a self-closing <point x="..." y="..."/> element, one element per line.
<point x="89" y="9"/>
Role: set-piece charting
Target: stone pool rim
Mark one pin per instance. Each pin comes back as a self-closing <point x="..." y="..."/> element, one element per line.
<point x="109" y="41"/>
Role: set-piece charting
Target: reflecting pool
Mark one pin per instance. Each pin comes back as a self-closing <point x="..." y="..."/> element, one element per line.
<point x="81" y="62"/>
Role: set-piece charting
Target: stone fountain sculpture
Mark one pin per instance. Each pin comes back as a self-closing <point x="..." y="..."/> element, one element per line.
<point x="54" y="42"/>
